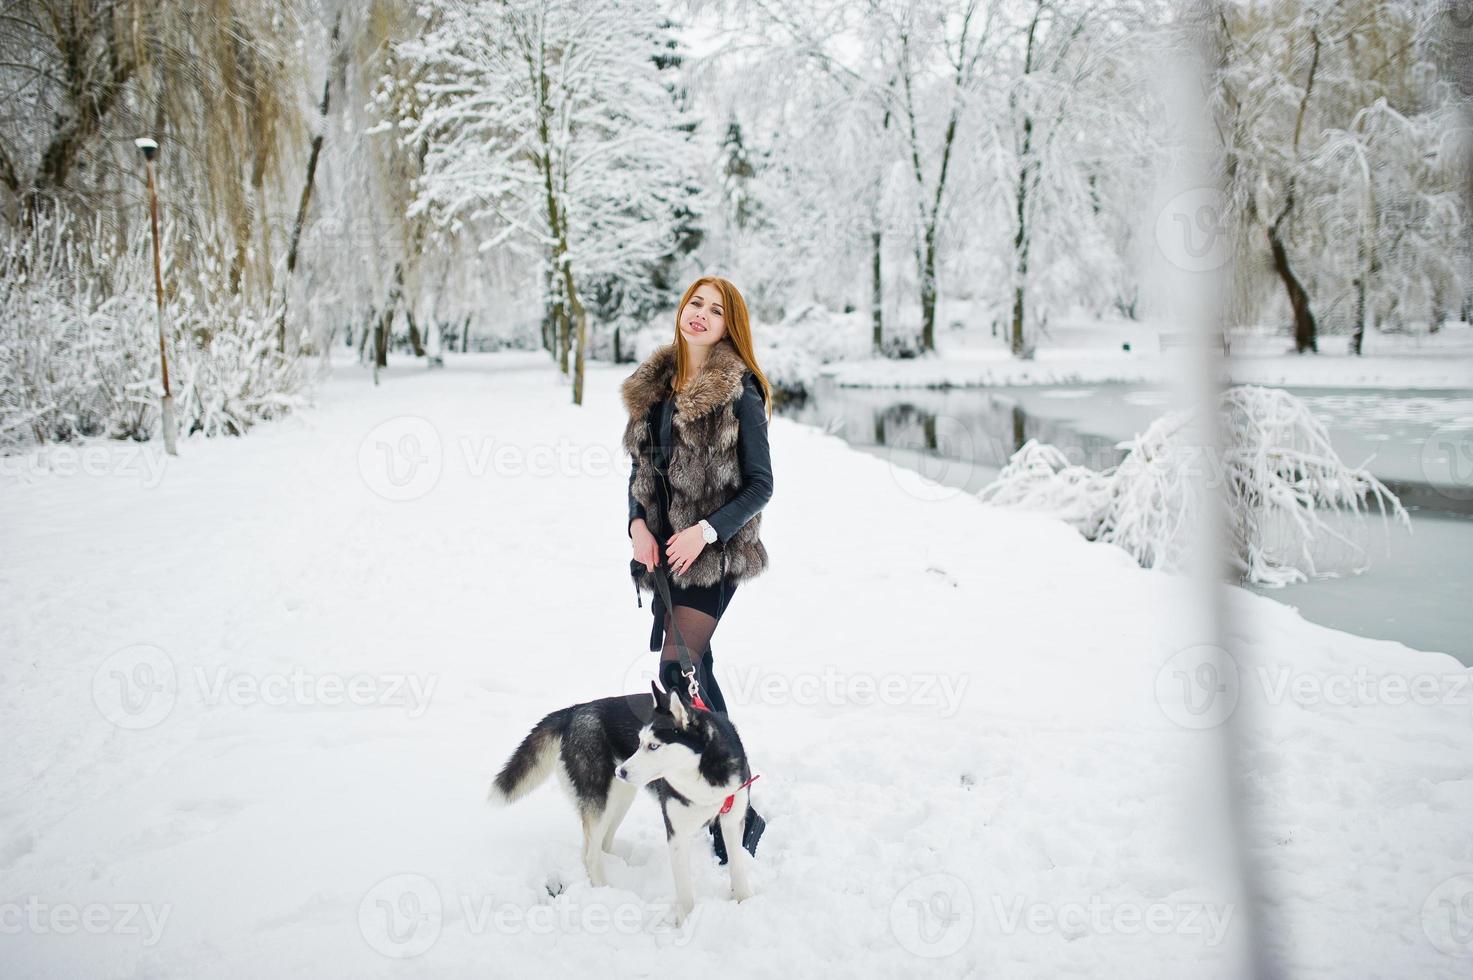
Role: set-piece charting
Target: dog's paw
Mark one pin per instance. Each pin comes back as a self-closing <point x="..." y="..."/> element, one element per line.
<point x="742" y="892"/>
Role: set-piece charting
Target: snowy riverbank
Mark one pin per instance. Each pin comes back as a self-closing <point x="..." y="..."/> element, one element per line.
<point x="1092" y="353"/>
<point x="252" y="697"/>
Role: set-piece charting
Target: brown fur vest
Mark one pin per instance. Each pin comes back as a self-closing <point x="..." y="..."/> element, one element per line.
<point x="704" y="470"/>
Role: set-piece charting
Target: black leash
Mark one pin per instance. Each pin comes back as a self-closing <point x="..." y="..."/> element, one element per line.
<point x="687" y="665"/>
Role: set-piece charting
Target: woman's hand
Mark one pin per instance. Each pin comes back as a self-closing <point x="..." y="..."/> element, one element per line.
<point x="684" y="547"/>
<point x="646" y="548"/>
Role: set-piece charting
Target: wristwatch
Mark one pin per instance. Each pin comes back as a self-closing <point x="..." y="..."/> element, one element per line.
<point x="708" y="533"/>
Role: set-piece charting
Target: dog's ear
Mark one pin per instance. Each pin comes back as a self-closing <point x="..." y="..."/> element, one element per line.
<point x="659" y="696"/>
<point x="679" y="710"/>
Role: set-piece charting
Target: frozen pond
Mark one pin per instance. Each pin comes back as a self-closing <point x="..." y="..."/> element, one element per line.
<point x="1416" y="588"/>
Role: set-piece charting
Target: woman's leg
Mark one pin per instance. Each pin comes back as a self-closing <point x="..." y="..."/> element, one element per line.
<point x="696" y="627"/>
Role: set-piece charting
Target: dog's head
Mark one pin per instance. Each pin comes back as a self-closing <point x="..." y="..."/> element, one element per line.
<point x="670" y="744"/>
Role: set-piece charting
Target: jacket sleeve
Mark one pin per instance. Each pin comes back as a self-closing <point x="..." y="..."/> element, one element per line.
<point x="755" y="461"/>
<point x="636" y="509"/>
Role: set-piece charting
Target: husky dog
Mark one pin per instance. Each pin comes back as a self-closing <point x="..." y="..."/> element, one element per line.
<point x="603" y="751"/>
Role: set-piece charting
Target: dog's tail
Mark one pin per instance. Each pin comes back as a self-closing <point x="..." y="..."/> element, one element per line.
<point x="530" y="765"/>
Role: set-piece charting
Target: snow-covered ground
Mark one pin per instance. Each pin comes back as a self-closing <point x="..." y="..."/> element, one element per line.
<point x="1093" y="353"/>
<point x="251" y="699"/>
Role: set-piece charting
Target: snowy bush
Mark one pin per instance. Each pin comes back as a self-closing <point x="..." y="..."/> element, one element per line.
<point x="1278" y="475"/>
<point x="79" y="347"/>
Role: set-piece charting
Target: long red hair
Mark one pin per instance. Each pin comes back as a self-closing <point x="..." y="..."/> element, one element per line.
<point x="738" y="331"/>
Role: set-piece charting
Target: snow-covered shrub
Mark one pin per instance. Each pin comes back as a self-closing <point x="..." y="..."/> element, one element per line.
<point x="1278" y="476"/>
<point x="79" y="346"/>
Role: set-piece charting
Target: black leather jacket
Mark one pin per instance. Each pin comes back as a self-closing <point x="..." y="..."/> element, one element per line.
<point x="752" y="451"/>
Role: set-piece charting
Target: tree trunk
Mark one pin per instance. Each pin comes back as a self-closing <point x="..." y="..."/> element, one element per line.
<point x="368" y="330"/>
<point x="306" y="197"/>
<point x="465" y="335"/>
<point x="1018" y="343"/>
<point x="386" y="322"/>
<point x="1358" y="332"/>
<point x="1304" y="325"/>
<point x="877" y="295"/>
<point x="415" y="340"/>
<point x="575" y="306"/>
<point x="928" y="291"/>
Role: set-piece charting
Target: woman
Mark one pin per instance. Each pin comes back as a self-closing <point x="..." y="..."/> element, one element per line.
<point x="698" y="410"/>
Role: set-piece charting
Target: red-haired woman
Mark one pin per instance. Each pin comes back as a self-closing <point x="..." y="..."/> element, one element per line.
<point x="698" y="411"/>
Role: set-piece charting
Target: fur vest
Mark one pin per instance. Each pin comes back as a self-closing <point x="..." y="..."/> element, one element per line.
<point x="704" y="469"/>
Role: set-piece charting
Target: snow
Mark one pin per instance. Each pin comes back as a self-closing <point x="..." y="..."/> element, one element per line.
<point x="1091" y="353"/>
<point x="252" y="698"/>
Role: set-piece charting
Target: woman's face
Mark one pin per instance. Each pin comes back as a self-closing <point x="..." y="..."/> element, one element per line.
<point x="703" y="321"/>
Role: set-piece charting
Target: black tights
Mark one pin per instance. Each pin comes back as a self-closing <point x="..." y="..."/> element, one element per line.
<point x="696" y="628"/>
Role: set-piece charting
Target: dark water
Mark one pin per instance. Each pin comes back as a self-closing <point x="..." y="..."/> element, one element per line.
<point x="1417" y="586"/>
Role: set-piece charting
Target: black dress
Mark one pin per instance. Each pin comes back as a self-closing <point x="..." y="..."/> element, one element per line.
<point x="709" y="599"/>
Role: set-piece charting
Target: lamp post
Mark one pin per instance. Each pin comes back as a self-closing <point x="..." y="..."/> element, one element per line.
<point x="150" y="149"/>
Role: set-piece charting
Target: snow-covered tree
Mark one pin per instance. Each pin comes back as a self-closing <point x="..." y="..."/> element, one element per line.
<point x="547" y="128"/>
<point x="1341" y="177"/>
<point x="1280" y="480"/>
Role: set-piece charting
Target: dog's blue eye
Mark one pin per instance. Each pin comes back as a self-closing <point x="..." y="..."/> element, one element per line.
<point x="652" y="746"/>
